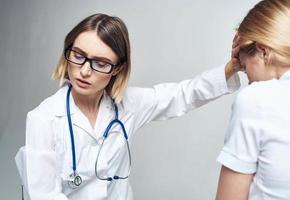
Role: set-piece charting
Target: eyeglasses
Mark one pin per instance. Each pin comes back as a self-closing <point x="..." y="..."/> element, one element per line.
<point x="97" y="65"/>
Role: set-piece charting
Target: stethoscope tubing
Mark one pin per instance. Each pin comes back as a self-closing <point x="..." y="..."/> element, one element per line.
<point x="105" y="135"/>
<point x="75" y="178"/>
<point x="71" y="129"/>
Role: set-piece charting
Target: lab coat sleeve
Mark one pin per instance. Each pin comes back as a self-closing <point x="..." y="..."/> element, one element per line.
<point x="38" y="163"/>
<point x="243" y="136"/>
<point x="168" y="100"/>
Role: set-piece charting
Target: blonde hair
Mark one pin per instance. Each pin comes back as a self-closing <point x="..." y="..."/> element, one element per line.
<point x="268" y="24"/>
<point x="113" y="32"/>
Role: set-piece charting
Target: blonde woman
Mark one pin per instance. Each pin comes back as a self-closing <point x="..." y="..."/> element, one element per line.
<point x="256" y="155"/>
<point x="78" y="140"/>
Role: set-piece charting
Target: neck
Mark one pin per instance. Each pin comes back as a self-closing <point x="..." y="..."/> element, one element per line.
<point x="282" y="71"/>
<point x="277" y="72"/>
<point x="87" y="103"/>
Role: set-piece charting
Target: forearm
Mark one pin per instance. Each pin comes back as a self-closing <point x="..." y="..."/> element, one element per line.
<point x="233" y="185"/>
<point x="230" y="70"/>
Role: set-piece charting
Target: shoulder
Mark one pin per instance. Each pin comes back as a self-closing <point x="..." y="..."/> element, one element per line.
<point x="252" y="94"/>
<point x="135" y="98"/>
<point x="135" y="94"/>
<point x="146" y="94"/>
<point x="132" y="93"/>
<point x="50" y="106"/>
<point x="254" y="97"/>
<point x="40" y="122"/>
<point x="248" y="100"/>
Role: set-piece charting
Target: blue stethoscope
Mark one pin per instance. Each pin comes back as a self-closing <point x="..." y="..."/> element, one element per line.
<point x="75" y="179"/>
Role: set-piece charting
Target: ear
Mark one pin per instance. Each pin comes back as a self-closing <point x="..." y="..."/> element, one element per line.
<point x="264" y="52"/>
<point x="117" y="70"/>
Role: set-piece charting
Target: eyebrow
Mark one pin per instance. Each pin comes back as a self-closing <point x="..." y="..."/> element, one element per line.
<point x="94" y="57"/>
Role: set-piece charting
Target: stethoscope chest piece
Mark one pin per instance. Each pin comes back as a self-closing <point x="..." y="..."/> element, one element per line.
<point x="74" y="180"/>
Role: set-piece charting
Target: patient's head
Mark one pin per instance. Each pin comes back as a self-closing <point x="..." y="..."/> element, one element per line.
<point x="265" y="40"/>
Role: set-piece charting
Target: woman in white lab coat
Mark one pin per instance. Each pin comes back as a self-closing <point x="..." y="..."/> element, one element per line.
<point x="65" y="156"/>
<point x="255" y="158"/>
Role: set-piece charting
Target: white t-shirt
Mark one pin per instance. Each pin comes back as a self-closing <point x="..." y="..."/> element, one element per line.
<point x="257" y="140"/>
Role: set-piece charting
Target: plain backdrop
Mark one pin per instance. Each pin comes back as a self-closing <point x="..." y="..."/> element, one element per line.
<point x="171" y="40"/>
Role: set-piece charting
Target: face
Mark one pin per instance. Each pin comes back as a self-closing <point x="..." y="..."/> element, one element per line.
<point x="85" y="80"/>
<point x="255" y="67"/>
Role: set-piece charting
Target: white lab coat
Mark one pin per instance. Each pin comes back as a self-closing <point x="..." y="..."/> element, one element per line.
<point x="45" y="162"/>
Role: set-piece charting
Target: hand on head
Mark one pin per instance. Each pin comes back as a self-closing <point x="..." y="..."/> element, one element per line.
<point x="235" y="54"/>
<point x="234" y="65"/>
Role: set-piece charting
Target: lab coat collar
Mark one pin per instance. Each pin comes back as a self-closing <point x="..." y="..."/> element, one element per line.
<point x="105" y="113"/>
<point x="285" y="76"/>
<point x="59" y="105"/>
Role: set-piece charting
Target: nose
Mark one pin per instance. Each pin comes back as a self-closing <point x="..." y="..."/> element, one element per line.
<point x="86" y="69"/>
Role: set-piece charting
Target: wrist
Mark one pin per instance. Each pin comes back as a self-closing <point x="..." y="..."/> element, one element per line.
<point x="229" y="70"/>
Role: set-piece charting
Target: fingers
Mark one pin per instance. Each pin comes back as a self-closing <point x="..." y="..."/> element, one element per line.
<point x="235" y="46"/>
<point x="237" y="65"/>
<point x="236" y="35"/>
<point x="236" y="40"/>
<point x="235" y="52"/>
<point x="234" y="63"/>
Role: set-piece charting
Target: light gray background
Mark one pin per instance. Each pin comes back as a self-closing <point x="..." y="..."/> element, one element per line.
<point x="171" y="41"/>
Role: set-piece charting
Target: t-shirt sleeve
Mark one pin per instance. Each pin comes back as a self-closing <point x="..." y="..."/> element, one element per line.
<point x="242" y="141"/>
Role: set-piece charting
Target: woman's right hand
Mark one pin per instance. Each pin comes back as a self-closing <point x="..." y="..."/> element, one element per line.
<point x="233" y="66"/>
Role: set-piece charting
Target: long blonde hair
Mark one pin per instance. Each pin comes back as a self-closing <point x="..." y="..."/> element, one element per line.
<point x="268" y="24"/>
<point x="113" y="32"/>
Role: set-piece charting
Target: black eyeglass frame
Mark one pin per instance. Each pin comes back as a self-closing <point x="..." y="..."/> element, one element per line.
<point x="66" y="55"/>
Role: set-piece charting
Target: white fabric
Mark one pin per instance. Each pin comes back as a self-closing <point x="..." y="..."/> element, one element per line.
<point x="45" y="162"/>
<point x="258" y="138"/>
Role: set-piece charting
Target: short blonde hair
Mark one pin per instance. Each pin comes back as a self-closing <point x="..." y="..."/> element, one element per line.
<point x="268" y="24"/>
<point x="113" y="32"/>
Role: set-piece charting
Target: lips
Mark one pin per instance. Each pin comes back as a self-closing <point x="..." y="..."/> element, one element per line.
<point x="82" y="83"/>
